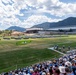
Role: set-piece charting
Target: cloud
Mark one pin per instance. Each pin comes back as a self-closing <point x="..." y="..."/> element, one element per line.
<point x="6" y="1"/>
<point x="34" y="11"/>
<point x="37" y="19"/>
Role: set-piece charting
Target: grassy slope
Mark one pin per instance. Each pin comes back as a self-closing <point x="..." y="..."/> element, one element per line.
<point x="24" y="57"/>
<point x="12" y="55"/>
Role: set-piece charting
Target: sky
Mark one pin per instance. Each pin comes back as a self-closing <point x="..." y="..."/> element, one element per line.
<point x="26" y="13"/>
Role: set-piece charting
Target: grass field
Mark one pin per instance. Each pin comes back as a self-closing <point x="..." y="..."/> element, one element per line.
<point x="17" y="54"/>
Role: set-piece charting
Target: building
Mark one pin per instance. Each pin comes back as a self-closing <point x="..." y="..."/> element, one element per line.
<point x="33" y="30"/>
<point x="50" y="31"/>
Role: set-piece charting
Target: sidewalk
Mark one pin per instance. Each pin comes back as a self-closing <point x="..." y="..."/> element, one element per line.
<point x="52" y="48"/>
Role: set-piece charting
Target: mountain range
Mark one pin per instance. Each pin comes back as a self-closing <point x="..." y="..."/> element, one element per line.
<point x="69" y="22"/>
<point x="17" y="28"/>
<point x="66" y="23"/>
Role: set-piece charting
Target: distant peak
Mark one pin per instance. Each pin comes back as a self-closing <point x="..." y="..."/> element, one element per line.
<point x="71" y="17"/>
<point x="17" y="28"/>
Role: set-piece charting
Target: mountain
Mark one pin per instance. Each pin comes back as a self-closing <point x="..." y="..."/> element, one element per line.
<point x="69" y="22"/>
<point x="45" y="25"/>
<point x="16" y="28"/>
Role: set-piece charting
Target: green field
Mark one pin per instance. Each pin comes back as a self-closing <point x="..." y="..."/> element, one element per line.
<point x="20" y="53"/>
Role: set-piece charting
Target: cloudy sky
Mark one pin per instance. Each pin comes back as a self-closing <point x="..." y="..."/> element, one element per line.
<point x="26" y="13"/>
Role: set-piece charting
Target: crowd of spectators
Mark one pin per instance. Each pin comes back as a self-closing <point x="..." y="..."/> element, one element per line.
<point x="65" y="65"/>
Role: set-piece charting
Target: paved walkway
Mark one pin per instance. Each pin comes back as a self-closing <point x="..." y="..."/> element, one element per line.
<point x="52" y="48"/>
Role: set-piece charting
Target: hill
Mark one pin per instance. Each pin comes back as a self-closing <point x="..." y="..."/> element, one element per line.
<point x="16" y="28"/>
<point x="69" y="22"/>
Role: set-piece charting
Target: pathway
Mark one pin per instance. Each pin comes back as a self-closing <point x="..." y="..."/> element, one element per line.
<point x="52" y="48"/>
